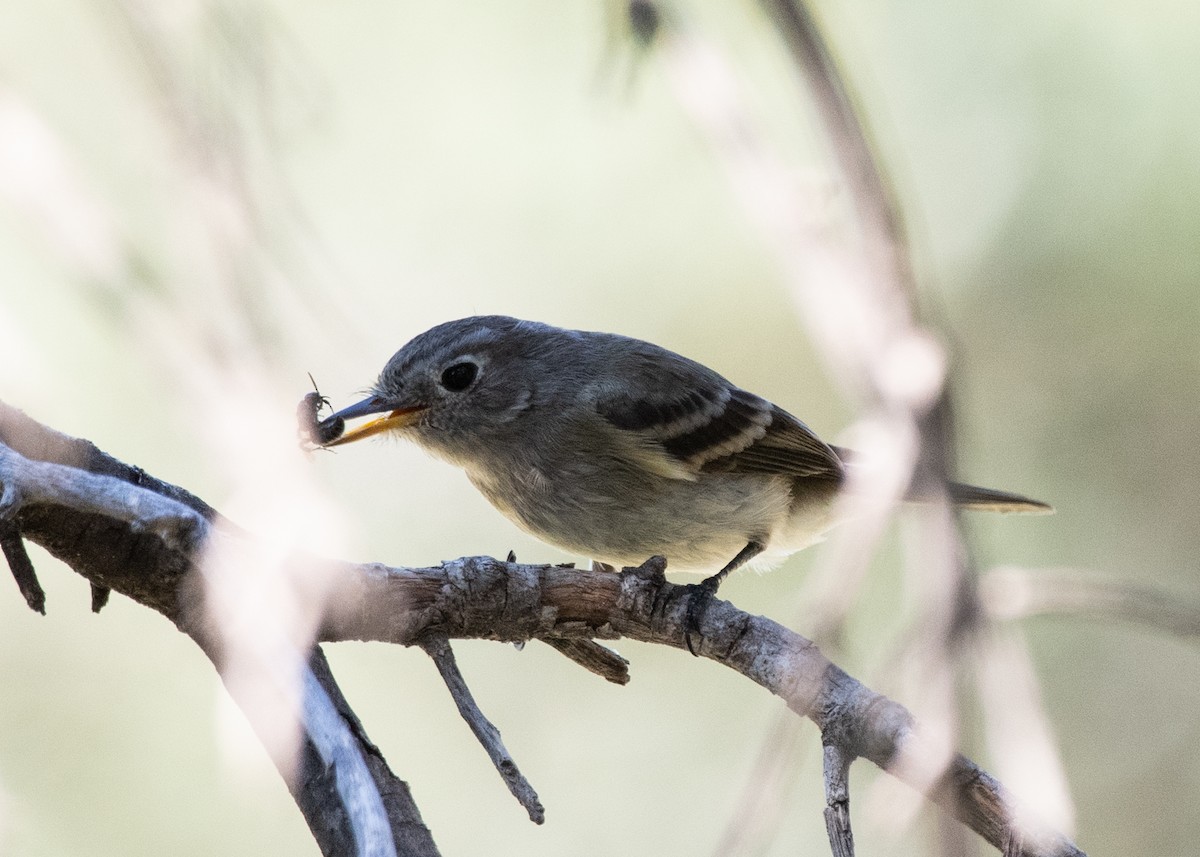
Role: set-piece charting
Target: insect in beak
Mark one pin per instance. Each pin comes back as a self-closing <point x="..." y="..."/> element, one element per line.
<point x="396" y="418"/>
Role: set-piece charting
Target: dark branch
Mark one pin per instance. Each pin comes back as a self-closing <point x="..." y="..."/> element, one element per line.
<point x="472" y="597"/>
<point x="22" y="567"/>
<point x="127" y="531"/>
<point x="837" y="801"/>
<point x="438" y="648"/>
<point x="484" y="598"/>
<point x="593" y="657"/>
<point x="99" y="597"/>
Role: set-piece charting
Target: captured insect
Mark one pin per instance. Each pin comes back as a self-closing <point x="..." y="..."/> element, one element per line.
<point x="312" y="430"/>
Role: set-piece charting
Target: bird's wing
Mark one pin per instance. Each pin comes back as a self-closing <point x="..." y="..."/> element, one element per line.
<point x="717" y="427"/>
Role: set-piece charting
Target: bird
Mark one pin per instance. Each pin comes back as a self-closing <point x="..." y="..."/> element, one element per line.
<point x="615" y="448"/>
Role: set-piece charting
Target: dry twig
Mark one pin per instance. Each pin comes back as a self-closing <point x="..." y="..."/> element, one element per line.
<point x="438" y="649"/>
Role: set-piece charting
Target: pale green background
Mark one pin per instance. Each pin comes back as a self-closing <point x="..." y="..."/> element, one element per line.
<point x="424" y="161"/>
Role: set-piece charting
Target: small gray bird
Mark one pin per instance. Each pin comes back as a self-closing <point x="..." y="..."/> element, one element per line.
<point x="615" y="448"/>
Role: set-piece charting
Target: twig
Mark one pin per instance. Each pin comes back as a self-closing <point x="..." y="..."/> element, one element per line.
<point x="21" y="567"/>
<point x="593" y="657"/>
<point x="438" y="648"/>
<point x="99" y="596"/>
<point x="1011" y="593"/>
<point x="837" y="800"/>
<point x="343" y="759"/>
<point x="878" y="213"/>
<point x="589" y="654"/>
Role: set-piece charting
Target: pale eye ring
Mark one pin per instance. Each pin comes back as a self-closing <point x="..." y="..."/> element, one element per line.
<point x="458" y="377"/>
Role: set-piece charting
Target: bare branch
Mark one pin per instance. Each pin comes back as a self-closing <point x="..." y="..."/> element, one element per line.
<point x="311" y="789"/>
<point x="38" y="483"/>
<point x="1012" y="593"/>
<point x="849" y="142"/>
<point x="593" y="657"/>
<point x="837" y="799"/>
<point x="124" y="530"/>
<point x="471" y="597"/>
<point x="482" y="597"/>
<point x="22" y="568"/>
<point x="438" y="648"/>
<point x="343" y="761"/>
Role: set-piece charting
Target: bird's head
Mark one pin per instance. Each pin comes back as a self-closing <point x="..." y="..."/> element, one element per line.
<point x="457" y="385"/>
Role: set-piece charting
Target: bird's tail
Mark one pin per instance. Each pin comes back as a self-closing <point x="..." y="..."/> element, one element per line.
<point x="972" y="496"/>
<point x="990" y="500"/>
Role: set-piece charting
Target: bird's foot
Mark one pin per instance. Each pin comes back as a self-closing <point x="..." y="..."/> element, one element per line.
<point x="700" y="596"/>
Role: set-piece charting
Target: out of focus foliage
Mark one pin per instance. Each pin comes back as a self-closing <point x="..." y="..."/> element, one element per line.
<point x="200" y="202"/>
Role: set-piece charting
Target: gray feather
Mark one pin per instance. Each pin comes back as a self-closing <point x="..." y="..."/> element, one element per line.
<point x="715" y="427"/>
<point x="990" y="500"/>
<point x="972" y="496"/>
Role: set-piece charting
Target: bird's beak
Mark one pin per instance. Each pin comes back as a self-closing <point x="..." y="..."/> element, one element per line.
<point x="396" y="418"/>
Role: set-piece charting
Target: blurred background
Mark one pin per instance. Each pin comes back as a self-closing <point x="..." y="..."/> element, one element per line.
<point x="201" y="202"/>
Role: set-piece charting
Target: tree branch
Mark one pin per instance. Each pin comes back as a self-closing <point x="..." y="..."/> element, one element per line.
<point x="122" y="529"/>
<point x="1011" y="593"/>
<point x="481" y="597"/>
<point x="593" y="657"/>
<point x="21" y="566"/>
<point x="471" y="598"/>
<point x="438" y="649"/>
<point x="837" y="800"/>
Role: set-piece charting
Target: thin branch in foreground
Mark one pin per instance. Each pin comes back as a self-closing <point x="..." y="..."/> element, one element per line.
<point x="340" y="754"/>
<point x="1014" y="593"/>
<point x="1017" y="732"/>
<point x="438" y="648"/>
<point x="122" y="529"/>
<point x="758" y="811"/>
<point x="22" y="568"/>
<point x="850" y="143"/>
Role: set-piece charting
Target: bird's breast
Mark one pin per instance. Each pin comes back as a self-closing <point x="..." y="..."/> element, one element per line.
<point x="623" y="517"/>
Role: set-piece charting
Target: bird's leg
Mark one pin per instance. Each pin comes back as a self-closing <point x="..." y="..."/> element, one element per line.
<point x="702" y="593"/>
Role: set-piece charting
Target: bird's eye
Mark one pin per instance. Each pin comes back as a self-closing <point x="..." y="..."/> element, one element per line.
<point x="459" y="376"/>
